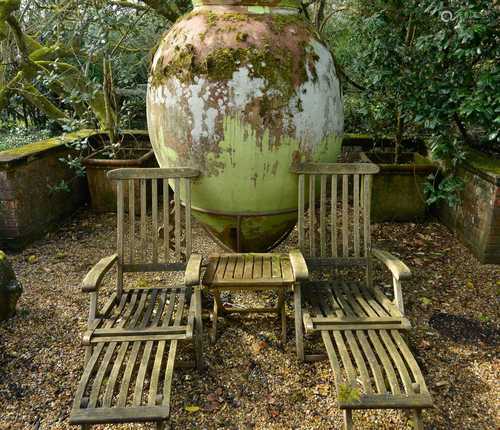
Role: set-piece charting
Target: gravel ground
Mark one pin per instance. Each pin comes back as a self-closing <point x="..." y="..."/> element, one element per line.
<point x="251" y="382"/>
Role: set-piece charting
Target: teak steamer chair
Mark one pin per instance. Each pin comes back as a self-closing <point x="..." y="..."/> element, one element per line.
<point x="359" y="325"/>
<point x="131" y="344"/>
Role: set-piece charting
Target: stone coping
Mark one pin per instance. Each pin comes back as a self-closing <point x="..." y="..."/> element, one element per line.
<point x="485" y="166"/>
<point x="35" y="150"/>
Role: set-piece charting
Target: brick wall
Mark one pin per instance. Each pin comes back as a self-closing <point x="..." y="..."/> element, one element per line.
<point x="29" y="206"/>
<point x="476" y="219"/>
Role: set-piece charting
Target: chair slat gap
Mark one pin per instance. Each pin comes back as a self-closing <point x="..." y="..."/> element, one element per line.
<point x="131" y="216"/>
<point x="312" y="215"/>
<point x="334" y="215"/>
<point x="301" y="212"/>
<point x="345" y="215"/>
<point x="154" y="216"/>
<point x="143" y="220"/>
<point x="119" y="234"/>
<point x="356" y="215"/>
<point x="366" y="214"/>
<point x="166" y="219"/>
<point x="188" y="217"/>
<point x="322" y="217"/>
<point x="177" y="204"/>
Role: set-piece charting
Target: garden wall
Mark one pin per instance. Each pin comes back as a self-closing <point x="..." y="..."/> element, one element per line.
<point x="28" y="206"/>
<point x="476" y="219"/>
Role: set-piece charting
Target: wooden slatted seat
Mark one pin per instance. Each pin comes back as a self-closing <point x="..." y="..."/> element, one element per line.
<point x="131" y="344"/>
<point x="334" y="294"/>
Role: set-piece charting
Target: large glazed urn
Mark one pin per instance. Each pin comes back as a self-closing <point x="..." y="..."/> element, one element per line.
<point x="242" y="90"/>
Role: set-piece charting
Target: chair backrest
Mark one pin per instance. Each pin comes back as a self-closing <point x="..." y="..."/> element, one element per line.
<point x="337" y="231"/>
<point x="153" y="226"/>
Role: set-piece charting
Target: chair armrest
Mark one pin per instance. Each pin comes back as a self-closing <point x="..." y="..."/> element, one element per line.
<point x="299" y="265"/>
<point x="94" y="277"/>
<point x="193" y="270"/>
<point x="395" y="265"/>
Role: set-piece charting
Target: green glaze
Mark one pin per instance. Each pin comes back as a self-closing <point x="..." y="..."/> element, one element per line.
<point x="253" y="174"/>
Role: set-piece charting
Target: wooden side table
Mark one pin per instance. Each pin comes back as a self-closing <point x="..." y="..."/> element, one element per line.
<point x="248" y="272"/>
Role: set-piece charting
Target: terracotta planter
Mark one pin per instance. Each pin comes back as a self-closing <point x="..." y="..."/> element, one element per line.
<point x="102" y="191"/>
<point x="398" y="190"/>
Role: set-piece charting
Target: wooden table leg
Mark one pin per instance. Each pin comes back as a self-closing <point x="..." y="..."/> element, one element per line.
<point x="215" y="316"/>
<point x="218" y="309"/>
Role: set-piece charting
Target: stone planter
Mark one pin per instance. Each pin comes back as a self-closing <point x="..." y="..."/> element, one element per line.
<point x="135" y="152"/>
<point x="29" y="206"/>
<point x="10" y="289"/>
<point x="476" y="218"/>
<point x="398" y="190"/>
<point x="359" y="142"/>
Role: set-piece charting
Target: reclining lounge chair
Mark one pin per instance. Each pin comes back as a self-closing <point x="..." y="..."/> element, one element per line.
<point x="359" y="325"/>
<point x="131" y="343"/>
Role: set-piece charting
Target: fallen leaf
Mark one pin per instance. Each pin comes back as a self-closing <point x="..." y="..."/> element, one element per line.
<point x="32" y="259"/>
<point x="425" y="344"/>
<point x="192" y="408"/>
<point x="322" y="390"/>
<point x="211" y="406"/>
<point x="425" y="301"/>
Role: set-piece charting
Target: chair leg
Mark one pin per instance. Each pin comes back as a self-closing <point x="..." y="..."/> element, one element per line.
<point x="198" y="346"/>
<point x="348" y="422"/>
<point x="281" y="311"/>
<point x="283" y="323"/>
<point x="299" y="336"/>
<point x="215" y="317"/>
<point x="417" y="419"/>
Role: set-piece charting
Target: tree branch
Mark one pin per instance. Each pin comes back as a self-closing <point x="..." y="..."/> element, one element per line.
<point x="130" y="5"/>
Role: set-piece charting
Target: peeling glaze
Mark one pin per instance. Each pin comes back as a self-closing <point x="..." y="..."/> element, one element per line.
<point x="245" y="132"/>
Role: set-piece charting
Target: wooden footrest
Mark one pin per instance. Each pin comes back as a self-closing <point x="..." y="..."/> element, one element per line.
<point x="126" y="382"/>
<point x="375" y="369"/>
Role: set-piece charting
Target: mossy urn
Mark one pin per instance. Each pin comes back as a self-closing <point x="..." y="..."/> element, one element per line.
<point x="243" y="90"/>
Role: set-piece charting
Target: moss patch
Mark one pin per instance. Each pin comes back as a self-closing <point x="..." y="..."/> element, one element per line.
<point x="483" y="162"/>
<point x="348" y="393"/>
<point x="43" y="145"/>
<point x="281" y="69"/>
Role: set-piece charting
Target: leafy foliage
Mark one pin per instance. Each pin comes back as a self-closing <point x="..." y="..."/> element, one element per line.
<point x="53" y="53"/>
<point x="427" y="68"/>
